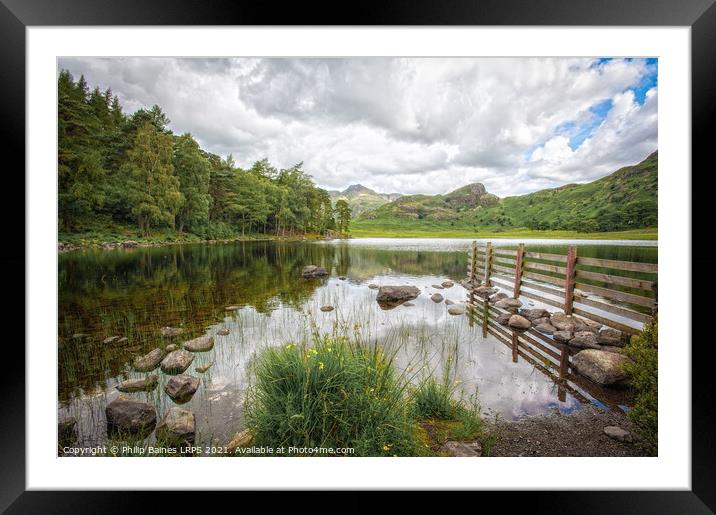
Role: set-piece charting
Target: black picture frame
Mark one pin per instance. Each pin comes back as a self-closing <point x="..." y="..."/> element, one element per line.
<point x="16" y="15"/>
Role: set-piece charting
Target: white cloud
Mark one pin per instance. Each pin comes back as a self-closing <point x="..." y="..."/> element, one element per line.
<point x="406" y="125"/>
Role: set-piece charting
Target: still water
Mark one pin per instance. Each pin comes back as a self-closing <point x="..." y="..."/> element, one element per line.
<point x="135" y="292"/>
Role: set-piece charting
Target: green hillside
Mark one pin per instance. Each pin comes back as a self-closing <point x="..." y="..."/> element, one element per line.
<point x="362" y="199"/>
<point x="623" y="200"/>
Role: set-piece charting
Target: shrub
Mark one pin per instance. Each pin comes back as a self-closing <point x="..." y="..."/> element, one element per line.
<point x="643" y="373"/>
<point x="333" y="394"/>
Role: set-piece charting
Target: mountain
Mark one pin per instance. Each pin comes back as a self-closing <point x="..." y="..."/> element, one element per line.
<point x="362" y="199"/>
<point x="625" y="199"/>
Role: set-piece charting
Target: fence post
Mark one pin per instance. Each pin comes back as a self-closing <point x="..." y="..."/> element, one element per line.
<point x="518" y="270"/>
<point x="488" y="263"/>
<point x="569" y="279"/>
<point x="473" y="261"/>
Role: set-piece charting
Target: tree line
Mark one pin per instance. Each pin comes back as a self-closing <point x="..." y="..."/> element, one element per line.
<point x="133" y="170"/>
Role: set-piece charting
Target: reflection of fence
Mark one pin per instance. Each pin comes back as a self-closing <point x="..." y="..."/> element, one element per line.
<point x="618" y="294"/>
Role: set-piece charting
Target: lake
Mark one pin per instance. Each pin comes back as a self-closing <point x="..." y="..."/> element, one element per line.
<point x="136" y="292"/>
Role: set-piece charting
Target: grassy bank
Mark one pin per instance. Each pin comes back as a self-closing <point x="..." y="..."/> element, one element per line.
<point x="343" y="394"/>
<point x="406" y="229"/>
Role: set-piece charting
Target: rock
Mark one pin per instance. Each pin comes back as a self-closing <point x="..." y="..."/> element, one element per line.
<point x="519" y="322"/>
<point x="312" y="271"/>
<point x="508" y="303"/>
<point x="178" y="427"/>
<point x="223" y="332"/>
<point x="618" y="433"/>
<point x="485" y="291"/>
<point x="447" y="284"/>
<point x="437" y="287"/>
<point x="127" y="415"/>
<point x="342" y="278"/>
<point x="545" y="328"/>
<point x="111" y="339"/>
<point x="592" y="325"/>
<point x="327" y="308"/>
<point x="181" y="388"/>
<point x="397" y="293"/>
<point x="373" y="286"/>
<point x="80" y="336"/>
<point x="232" y="308"/>
<point x="177" y="362"/>
<point x="448" y="302"/>
<point x="66" y="428"/>
<point x="436" y="297"/>
<point x="130" y="244"/>
<point x="408" y="304"/>
<point x="612" y="337"/>
<point x="171" y="347"/>
<point x="241" y="439"/>
<point x="585" y="340"/>
<point x="201" y="344"/>
<point x="457" y="309"/>
<point x="149" y="361"/>
<point x="138" y="385"/>
<point x="462" y="449"/>
<point x="504" y="318"/>
<point x="497" y="297"/>
<point x="122" y="340"/>
<point x="470" y="285"/>
<point x="562" y="336"/>
<point x="602" y="367"/>
<point x="542" y="320"/>
<point x="171" y="332"/>
<point x="534" y="313"/>
<point x="203" y="368"/>
<point x="569" y="323"/>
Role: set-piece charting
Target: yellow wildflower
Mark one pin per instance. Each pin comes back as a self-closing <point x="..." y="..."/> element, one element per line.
<point x="320" y="365"/>
<point x="386" y="447"/>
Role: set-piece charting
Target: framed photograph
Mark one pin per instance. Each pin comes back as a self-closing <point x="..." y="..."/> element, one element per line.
<point x="421" y="249"/>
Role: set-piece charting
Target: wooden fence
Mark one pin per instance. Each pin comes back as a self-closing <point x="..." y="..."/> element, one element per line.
<point x="618" y="294"/>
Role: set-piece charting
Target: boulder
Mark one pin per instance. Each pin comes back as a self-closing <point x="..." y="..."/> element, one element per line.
<point x="602" y="367"/>
<point x="437" y="287"/>
<point x="569" y="323"/>
<point x="177" y="427"/>
<point x="373" y="286"/>
<point x="470" y="285"/>
<point x="181" y="388"/>
<point x="127" y="415"/>
<point x="149" y="361"/>
<point x="177" y="362"/>
<point x="342" y="278"/>
<point x="111" y="339"/>
<point x="327" y="308"/>
<point x="436" y="297"/>
<point x="241" y="439"/>
<point x="312" y="271"/>
<point x="447" y="284"/>
<point x="593" y="326"/>
<point x="485" y="291"/>
<point x="504" y="318"/>
<point x="448" y="302"/>
<point x="171" y="347"/>
<point x="457" y="309"/>
<point x="611" y="337"/>
<point x="508" y="303"/>
<point x="462" y="449"/>
<point x="542" y="320"/>
<point x="562" y="336"/>
<point x="201" y="344"/>
<point x="397" y="293"/>
<point x="618" y="433"/>
<point x="519" y="322"/>
<point x="497" y="297"/>
<point x="203" y="368"/>
<point x="223" y="332"/>
<point x="534" y="313"/>
<point x="585" y="340"/>
<point x="408" y="304"/>
<point x="144" y="384"/>
<point x="122" y="340"/>
<point x="545" y="328"/>
<point x="171" y="332"/>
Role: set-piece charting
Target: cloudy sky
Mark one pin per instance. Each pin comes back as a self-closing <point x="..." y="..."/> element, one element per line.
<point x="404" y="125"/>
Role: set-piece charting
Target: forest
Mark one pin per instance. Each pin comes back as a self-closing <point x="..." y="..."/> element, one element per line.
<point x="131" y="171"/>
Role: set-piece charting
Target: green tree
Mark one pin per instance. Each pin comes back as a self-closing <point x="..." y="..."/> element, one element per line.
<point x="154" y="192"/>
<point x="193" y="170"/>
<point x="343" y="215"/>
